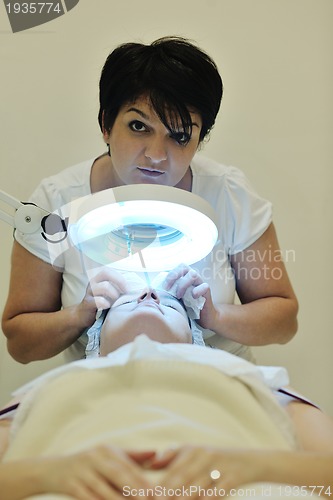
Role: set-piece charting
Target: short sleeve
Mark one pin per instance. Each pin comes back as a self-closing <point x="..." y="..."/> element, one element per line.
<point x="247" y="215"/>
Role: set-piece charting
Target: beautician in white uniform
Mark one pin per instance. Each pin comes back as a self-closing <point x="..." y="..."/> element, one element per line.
<point x="158" y="103"/>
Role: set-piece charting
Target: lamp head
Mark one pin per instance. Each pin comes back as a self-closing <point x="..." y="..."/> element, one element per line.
<point x="141" y="227"/>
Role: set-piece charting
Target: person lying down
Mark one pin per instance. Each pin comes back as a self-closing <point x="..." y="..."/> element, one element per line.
<point x="160" y="416"/>
<point x="175" y="296"/>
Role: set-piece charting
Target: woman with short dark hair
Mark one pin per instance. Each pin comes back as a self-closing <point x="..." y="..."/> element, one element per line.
<point x="157" y="104"/>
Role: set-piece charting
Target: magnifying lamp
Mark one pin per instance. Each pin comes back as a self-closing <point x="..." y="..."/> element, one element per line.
<point x="143" y="227"/>
<point x="139" y="227"/>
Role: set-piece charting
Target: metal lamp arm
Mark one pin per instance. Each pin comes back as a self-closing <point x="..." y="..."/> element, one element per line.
<point x="28" y="217"/>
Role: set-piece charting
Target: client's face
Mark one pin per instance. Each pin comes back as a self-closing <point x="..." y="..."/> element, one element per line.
<point x="157" y="314"/>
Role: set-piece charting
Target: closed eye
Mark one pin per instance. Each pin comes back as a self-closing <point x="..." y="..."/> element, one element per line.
<point x="172" y="307"/>
<point x="176" y="305"/>
<point x="123" y="303"/>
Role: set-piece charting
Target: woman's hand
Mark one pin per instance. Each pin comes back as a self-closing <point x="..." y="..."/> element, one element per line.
<point x="208" y="467"/>
<point x="103" y="290"/>
<point x="100" y="473"/>
<point x="188" y="278"/>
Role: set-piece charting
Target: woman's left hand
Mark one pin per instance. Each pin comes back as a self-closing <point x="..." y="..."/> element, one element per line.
<point x="207" y="468"/>
<point x="187" y="277"/>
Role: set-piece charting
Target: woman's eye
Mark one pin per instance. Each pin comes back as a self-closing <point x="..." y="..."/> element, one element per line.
<point x="137" y="126"/>
<point x="172" y="307"/>
<point x="181" y="137"/>
<point x="123" y="303"/>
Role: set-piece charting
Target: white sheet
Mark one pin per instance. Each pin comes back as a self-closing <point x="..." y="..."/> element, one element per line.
<point x="150" y="395"/>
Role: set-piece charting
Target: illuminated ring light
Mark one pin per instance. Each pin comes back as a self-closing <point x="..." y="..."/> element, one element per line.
<point x="143" y="227"/>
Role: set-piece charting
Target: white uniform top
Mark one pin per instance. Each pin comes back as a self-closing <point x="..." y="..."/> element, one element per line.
<point x="242" y="217"/>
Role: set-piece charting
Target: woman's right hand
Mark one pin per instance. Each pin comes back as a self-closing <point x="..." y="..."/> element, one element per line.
<point x="102" y="291"/>
<point x="34" y="321"/>
<point x="100" y="473"/>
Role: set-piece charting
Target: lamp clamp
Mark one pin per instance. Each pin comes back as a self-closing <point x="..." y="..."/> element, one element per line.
<point x="29" y="218"/>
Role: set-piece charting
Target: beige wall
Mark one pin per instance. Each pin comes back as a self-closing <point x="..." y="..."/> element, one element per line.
<point x="276" y="124"/>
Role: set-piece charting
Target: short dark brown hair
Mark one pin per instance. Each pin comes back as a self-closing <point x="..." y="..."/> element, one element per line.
<point x="172" y="72"/>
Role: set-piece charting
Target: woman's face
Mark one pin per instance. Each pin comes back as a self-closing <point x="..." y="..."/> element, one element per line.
<point x="144" y="151"/>
<point x="159" y="315"/>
